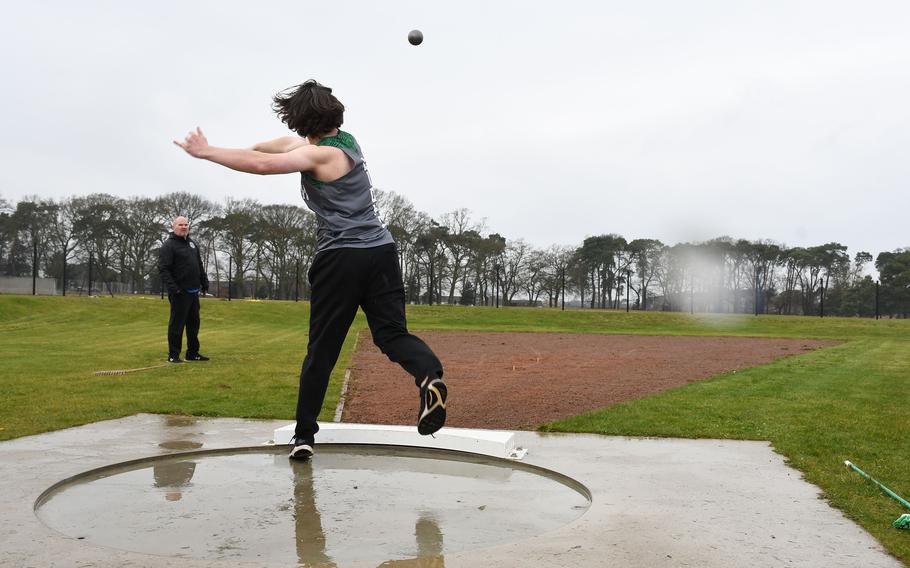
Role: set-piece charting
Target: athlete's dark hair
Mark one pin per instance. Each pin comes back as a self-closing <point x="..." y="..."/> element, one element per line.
<point x="309" y="108"/>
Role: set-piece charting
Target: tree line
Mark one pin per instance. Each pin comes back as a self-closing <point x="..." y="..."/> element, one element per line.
<point x="260" y="250"/>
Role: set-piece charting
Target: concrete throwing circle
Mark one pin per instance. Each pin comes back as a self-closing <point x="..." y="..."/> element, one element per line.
<point x="349" y="503"/>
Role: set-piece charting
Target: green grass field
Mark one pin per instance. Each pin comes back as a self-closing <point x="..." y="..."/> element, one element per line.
<point x="818" y="409"/>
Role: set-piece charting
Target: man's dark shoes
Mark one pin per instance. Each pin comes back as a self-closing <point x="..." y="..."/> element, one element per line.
<point x="174" y="360"/>
<point x="197" y="357"/>
<point x="301" y="448"/>
<point x="432" y="413"/>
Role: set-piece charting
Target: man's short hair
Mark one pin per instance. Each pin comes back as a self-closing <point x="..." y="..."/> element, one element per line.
<point x="309" y="109"/>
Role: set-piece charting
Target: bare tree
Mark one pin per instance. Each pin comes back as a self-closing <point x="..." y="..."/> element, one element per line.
<point x="532" y="273"/>
<point x="236" y="231"/>
<point x="98" y="224"/>
<point x="144" y="225"/>
<point x="646" y="258"/>
<point x="513" y="262"/>
<point x="190" y="205"/>
<point x="280" y="227"/>
<point x="460" y="238"/>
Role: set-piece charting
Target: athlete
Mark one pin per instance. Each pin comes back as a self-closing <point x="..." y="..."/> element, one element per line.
<point x="356" y="262"/>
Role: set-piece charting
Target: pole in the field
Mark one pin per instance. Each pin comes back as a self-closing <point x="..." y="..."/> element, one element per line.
<point x="297" y="282"/>
<point x="496" y="285"/>
<point x="89" y="274"/>
<point x="877" y="313"/>
<point x="692" y="295"/>
<point x="628" y="288"/>
<point x="34" y="266"/>
<point x="563" y="288"/>
<point x="821" y="308"/>
<point x="756" y="290"/>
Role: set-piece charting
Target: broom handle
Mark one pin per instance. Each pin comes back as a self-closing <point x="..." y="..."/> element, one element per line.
<point x="883" y="488"/>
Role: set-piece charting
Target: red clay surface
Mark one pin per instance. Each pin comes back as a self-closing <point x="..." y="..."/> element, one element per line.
<point x="518" y="380"/>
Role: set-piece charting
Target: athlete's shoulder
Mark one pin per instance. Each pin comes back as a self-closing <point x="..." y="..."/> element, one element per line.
<point x="341" y="140"/>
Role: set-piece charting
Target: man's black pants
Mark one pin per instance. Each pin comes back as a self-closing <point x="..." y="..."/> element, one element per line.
<point x="184" y="314"/>
<point x="341" y="280"/>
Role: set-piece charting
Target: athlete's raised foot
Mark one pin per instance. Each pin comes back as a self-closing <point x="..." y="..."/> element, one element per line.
<point x="432" y="415"/>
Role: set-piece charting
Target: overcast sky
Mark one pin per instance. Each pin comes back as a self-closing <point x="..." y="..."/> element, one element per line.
<point x="553" y="121"/>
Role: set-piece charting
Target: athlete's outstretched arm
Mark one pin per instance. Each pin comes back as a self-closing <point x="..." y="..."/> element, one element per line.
<point x="281" y="145"/>
<point x="302" y="159"/>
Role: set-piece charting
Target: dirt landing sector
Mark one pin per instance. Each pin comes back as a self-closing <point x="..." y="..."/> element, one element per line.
<point x="517" y="380"/>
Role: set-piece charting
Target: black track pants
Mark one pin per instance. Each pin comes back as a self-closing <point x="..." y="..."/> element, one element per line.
<point x="342" y="280"/>
<point x="184" y="314"/>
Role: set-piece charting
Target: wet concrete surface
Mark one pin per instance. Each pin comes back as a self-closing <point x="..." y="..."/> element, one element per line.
<point x="349" y="504"/>
<point x="655" y="502"/>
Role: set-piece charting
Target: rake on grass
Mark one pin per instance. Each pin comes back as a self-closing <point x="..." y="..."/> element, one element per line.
<point x="902" y="522"/>
<point x="125" y="371"/>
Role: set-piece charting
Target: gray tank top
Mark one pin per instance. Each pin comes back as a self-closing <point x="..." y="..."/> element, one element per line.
<point x="345" y="208"/>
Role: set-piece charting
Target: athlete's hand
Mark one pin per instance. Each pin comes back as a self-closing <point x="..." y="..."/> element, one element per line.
<point x="195" y="143"/>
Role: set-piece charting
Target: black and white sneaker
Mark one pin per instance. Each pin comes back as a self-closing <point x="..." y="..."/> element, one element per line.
<point x="197" y="357"/>
<point x="174" y="360"/>
<point x="432" y="413"/>
<point x="301" y="448"/>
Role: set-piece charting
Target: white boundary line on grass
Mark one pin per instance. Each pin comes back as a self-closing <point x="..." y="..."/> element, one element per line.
<point x="339" y="409"/>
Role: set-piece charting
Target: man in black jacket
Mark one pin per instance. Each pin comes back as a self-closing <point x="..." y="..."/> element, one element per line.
<point x="180" y="267"/>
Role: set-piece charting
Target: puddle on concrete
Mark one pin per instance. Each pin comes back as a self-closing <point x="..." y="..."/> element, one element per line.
<point x="350" y="503"/>
<point x="179" y="420"/>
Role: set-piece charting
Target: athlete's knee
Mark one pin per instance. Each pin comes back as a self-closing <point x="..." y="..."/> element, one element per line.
<point x="388" y="337"/>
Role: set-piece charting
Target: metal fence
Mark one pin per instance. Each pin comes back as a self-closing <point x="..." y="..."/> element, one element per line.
<point x="28" y="285"/>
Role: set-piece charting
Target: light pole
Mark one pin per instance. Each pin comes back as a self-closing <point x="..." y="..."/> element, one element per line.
<point x="628" y="288"/>
<point x="89" y="273"/>
<point x="757" y="271"/>
<point x="229" y="273"/>
<point x="297" y="282"/>
<point x="876" y="299"/>
<point x="691" y="294"/>
<point x="821" y="296"/>
<point x="563" y="288"/>
<point x="34" y="264"/>
<point x="496" y="284"/>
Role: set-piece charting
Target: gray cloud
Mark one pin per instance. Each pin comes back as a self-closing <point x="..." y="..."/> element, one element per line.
<point x="674" y="120"/>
